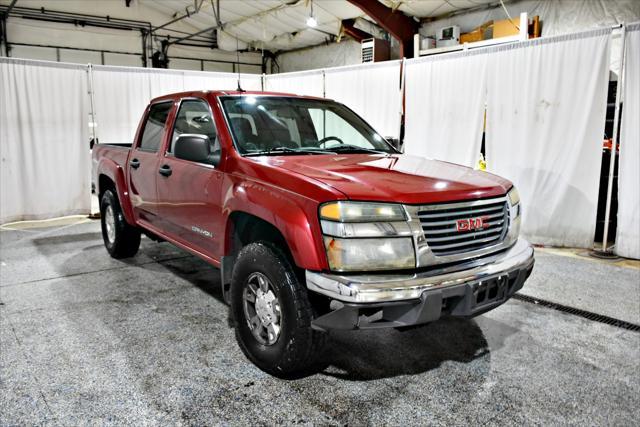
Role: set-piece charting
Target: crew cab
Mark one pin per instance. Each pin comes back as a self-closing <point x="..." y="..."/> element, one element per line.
<point x="314" y="219"/>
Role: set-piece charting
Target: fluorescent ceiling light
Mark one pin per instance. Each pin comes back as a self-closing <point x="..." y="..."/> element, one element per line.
<point x="311" y="22"/>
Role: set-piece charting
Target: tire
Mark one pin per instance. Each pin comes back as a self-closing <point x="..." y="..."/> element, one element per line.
<point x="121" y="239"/>
<point x="297" y="347"/>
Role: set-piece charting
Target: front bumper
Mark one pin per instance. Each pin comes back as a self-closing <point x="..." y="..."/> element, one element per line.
<point x="468" y="289"/>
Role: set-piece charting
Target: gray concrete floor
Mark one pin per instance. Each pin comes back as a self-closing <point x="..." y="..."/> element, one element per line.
<point x="88" y="339"/>
<point x="574" y="279"/>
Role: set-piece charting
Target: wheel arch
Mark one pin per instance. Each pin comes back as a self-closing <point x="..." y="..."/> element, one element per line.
<point x="111" y="177"/>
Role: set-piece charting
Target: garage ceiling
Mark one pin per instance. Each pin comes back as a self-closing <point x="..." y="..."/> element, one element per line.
<point x="281" y="24"/>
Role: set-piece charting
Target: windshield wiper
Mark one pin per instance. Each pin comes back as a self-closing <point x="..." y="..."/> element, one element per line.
<point x="349" y="147"/>
<point x="289" y="150"/>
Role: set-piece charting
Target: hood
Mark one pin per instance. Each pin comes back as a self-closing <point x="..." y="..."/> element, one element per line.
<point x="395" y="178"/>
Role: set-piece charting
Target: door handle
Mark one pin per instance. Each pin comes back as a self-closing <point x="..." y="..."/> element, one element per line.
<point x="135" y="163"/>
<point x="165" y="170"/>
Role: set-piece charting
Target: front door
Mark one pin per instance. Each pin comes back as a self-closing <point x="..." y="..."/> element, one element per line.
<point x="143" y="163"/>
<point x="191" y="192"/>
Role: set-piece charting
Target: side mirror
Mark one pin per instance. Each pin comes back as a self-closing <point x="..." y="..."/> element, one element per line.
<point x="195" y="148"/>
<point x="395" y="142"/>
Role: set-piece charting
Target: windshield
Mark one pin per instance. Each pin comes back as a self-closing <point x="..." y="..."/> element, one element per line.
<point x="263" y="125"/>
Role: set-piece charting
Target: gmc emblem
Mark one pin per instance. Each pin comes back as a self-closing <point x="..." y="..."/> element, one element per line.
<point x="470" y="224"/>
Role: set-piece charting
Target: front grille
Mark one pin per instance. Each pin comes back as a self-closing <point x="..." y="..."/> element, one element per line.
<point x="440" y="225"/>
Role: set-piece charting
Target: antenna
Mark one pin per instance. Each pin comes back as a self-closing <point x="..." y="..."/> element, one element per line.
<point x="238" y="58"/>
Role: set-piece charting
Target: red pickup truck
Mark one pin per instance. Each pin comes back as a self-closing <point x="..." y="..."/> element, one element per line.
<point x="315" y="220"/>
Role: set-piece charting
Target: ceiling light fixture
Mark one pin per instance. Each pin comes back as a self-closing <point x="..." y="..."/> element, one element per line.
<point x="311" y="21"/>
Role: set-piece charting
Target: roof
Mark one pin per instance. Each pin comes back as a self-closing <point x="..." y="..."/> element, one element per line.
<point x="197" y="93"/>
<point x="281" y="24"/>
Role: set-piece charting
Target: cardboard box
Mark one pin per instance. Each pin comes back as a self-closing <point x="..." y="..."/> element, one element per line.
<point x="506" y="28"/>
<point x="472" y="36"/>
<point x="483" y="32"/>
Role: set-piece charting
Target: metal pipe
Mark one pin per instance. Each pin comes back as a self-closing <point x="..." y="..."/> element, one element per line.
<point x="103" y="51"/>
<point x="27" y="11"/>
<point x="179" y="18"/>
<point x="77" y="48"/>
<point x="192" y="35"/>
<point x="196" y="6"/>
<point x="3" y="22"/>
<point x="92" y="102"/>
<point x="222" y="61"/>
<point x="614" y="145"/>
<point x="143" y="35"/>
<point x="11" y="5"/>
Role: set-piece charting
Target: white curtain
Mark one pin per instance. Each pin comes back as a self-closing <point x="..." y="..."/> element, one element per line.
<point x="371" y="90"/>
<point x="628" y="231"/>
<point x="120" y="96"/>
<point x="310" y="83"/>
<point x="546" y="104"/>
<point x="122" y="93"/>
<point x="221" y="81"/>
<point x="445" y="102"/>
<point x="163" y="82"/>
<point x="44" y="140"/>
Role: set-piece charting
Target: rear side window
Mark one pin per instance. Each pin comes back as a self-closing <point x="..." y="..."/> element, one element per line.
<point x="153" y="128"/>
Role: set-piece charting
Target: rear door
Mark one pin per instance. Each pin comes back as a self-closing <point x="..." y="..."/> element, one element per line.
<point x="191" y="194"/>
<point x="143" y="163"/>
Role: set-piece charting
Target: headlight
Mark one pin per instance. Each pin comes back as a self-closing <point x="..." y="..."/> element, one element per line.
<point x="363" y="236"/>
<point x="514" y="203"/>
<point x="515" y="212"/>
<point x="362" y="212"/>
<point x="514" y="196"/>
<point x="369" y="254"/>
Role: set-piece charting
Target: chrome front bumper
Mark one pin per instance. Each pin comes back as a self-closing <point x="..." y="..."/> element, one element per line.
<point x="380" y="288"/>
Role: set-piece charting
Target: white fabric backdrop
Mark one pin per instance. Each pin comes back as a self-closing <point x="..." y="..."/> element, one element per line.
<point x="628" y="231"/>
<point x="546" y="109"/>
<point x="371" y="90"/>
<point x="120" y="97"/>
<point x="445" y="101"/>
<point x="122" y="93"/>
<point x="220" y="81"/>
<point x="44" y="140"/>
<point x="309" y="83"/>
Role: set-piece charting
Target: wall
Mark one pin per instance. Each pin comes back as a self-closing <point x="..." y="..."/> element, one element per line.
<point x="346" y="52"/>
<point x="49" y="33"/>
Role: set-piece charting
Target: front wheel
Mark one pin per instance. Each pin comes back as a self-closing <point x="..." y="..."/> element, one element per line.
<point x="272" y="313"/>
<point x="121" y="239"/>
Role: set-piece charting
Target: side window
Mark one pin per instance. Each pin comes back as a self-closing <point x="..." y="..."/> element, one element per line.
<point x="194" y="117"/>
<point x="152" y="134"/>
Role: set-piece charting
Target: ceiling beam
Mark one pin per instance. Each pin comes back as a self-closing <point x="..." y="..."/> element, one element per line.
<point x="355" y="33"/>
<point x="396" y="23"/>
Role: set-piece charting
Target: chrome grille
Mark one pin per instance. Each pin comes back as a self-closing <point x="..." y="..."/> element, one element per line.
<point x="440" y="226"/>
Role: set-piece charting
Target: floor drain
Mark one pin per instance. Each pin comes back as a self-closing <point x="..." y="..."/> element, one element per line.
<point x="582" y="313"/>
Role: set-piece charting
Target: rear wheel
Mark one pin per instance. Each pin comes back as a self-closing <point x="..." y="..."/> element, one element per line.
<point x="121" y="239"/>
<point x="272" y="313"/>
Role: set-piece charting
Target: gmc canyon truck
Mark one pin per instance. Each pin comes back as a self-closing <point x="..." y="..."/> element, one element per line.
<point x="315" y="220"/>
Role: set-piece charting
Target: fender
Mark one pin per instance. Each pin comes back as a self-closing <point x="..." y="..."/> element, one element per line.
<point x="293" y="215"/>
<point x="114" y="171"/>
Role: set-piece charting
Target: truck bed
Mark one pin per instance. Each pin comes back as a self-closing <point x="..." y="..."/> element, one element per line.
<point x="118" y="153"/>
